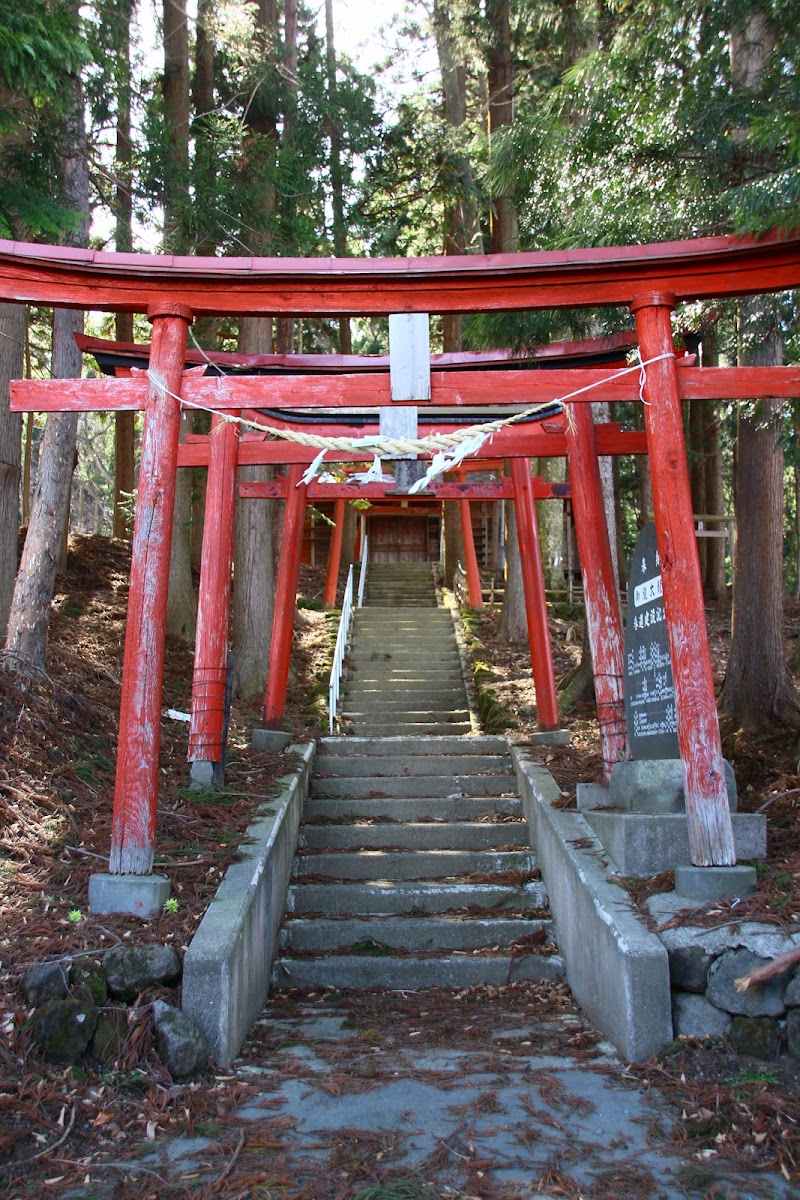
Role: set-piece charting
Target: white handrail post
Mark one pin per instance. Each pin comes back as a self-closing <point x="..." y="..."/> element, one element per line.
<point x="362" y="578"/>
<point x="339" y="652"/>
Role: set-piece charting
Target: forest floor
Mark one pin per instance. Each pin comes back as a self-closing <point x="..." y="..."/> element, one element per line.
<point x="57" y="752"/>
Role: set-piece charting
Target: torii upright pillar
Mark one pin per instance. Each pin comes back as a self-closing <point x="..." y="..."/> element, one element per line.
<point x="710" y="831"/>
<point x="470" y="556"/>
<point x="209" y="681"/>
<point x="603" y="619"/>
<point x="280" y="650"/>
<point x="334" y="554"/>
<point x="544" y="680"/>
<point x="136" y="791"/>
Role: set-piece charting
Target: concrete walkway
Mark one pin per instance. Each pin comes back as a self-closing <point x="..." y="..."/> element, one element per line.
<point x="498" y="1093"/>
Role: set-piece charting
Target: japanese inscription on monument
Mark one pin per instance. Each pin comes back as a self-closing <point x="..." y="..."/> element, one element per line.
<point x="649" y="691"/>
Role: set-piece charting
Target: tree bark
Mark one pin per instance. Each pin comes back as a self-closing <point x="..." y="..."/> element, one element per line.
<point x="715" y="580"/>
<point x="500" y="64"/>
<point x="550" y="518"/>
<point x="513" y="622"/>
<point x="339" y="228"/>
<point x="758" y="691"/>
<point x="182" y="603"/>
<point x="26" y="636"/>
<point x="124" y="422"/>
<point x="12" y="337"/>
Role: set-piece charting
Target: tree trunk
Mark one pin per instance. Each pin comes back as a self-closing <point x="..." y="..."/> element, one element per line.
<point x="182" y="603"/>
<point x="26" y="637"/>
<point x="758" y="689"/>
<point x="349" y="535"/>
<point x="513" y="620"/>
<point x="339" y="228"/>
<point x="452" y="541"/>
<point x="12" y="337"/>
<point x="550" y="518"/>
<point x="715" y="580"/>
<point x="124" y="422"/>
<point x="500" y="64"/>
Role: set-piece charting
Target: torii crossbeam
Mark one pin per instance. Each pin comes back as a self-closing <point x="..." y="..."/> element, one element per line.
<point x="649" y="279"/>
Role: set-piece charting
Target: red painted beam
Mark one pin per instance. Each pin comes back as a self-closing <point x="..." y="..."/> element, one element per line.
<point x="277" y="489"/>
<point x="710" y="833"/>
<point x="700" y="268"/>
<point x="334" y="554"/>
<point x="136" y="790"/>
<point x="452" y="389"/>
<point x="544" y="680"/>
<point x="214" y="599"/>
<point x="513" y="444"/>
<point x="601" y="601"/>
<point x="280" y="650"/>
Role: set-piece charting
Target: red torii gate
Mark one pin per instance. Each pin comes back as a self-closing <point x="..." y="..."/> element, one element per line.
<point x="649" y="279"/>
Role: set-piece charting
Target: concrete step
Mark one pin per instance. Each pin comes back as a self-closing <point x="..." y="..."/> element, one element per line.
<point x="412" y="864"/>
<point x="374" y="673"/>
<point x="365" y="786"/>
<point x="415" y="835"/>
<point x="399" y="745"/>
<point x="413" y="808"/>
<point x="368" y="897"/>
<point x="363" y="973"/>
<point x="412" y="716"/>
<point x="418" y="934"/>
<point x="437" y="658"/>
<point x="400" y="764"/>
<point x="410" y="730"/>
<point x="447" y="696"/>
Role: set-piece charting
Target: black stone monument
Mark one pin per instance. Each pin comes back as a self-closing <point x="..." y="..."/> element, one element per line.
<point x="649" y="691"/>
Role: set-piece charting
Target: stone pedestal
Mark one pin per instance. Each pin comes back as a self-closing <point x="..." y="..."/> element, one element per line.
<point x="137" y="895"/>
<point x="647" y="844"/>
<point x="655" y="785"/>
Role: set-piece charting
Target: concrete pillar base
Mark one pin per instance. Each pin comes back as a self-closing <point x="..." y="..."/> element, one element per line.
<point x="550" y="737"/>
<point x="270" y="739"/>
<point x="206" y="775"/>
<point x="714" y="883"/>
<point x="137" y="895"/>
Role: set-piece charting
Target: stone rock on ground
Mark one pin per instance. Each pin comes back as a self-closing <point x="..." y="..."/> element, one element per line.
<point x="761" y="1000"/>
<point x="62" y="1029"/>
<point x="756" y="1036"/>
<point x="793" y="1032"/>
<point x="46" y="981"/>
<point x="693" y="1016"/>
<point x="180" y="1043"/>
<point x="110" y="1034"/>
<point x="792" y="997"/>
<point x="130" y="970"/>
<point x="688" y="968"/>
<point x="90" y="977"/>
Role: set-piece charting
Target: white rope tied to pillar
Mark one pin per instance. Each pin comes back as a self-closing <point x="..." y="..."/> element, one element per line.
<point x="445" y="448"/>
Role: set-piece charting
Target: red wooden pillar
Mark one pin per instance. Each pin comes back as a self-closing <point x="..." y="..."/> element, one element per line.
<point x="530" y="554"/>
<point x="136" y="792"/>
<point x="214" y="600"/>
<point x="601" y="600"/>
<point x="280" y="649"/>
<point x="710" y="832"/>
<point x="334" y="555"/>
<point x="473" y="574"/>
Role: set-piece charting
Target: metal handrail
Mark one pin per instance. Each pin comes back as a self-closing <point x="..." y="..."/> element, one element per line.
<point x="362" y="578"/>
<point x="339" y="653"/>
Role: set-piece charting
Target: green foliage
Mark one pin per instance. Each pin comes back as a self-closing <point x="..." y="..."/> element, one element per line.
<point x="40" y="44"/>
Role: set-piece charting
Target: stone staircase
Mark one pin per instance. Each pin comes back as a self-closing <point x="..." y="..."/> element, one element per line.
<point x="414" y="870"/>
<point x="400" y="585"/>
<point x="404" y="674"/>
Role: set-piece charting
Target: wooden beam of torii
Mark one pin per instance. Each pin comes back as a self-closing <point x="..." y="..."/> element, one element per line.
<point x="649" y="279"/>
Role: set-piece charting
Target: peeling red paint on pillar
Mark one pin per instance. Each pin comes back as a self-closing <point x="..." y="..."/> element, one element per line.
<point x="280" y="650"/>
<point x="710" y="831"/>
<point x="473" y="574"/>
<point x="214" y="600"/>
<point x="603" y="618"/>
<point x="544" y="680"/>
<point x="334" y="555"/>
<point x="136" y="791"/>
